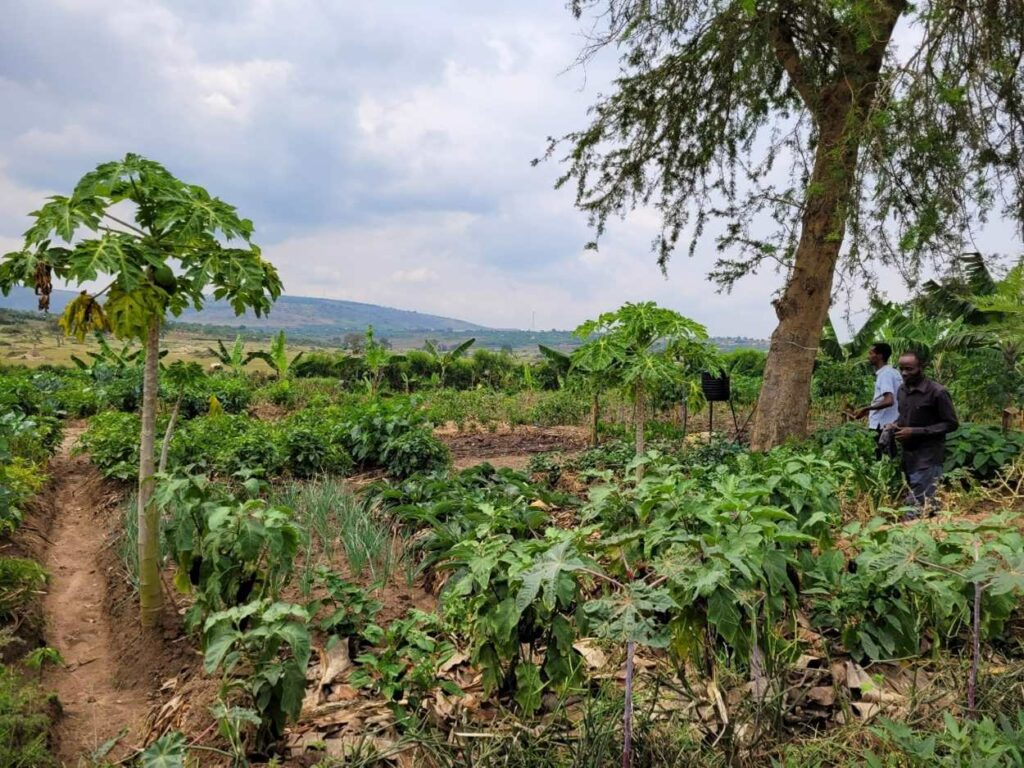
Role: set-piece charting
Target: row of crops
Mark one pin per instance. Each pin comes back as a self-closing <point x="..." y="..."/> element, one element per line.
<point x="718" y="565"/>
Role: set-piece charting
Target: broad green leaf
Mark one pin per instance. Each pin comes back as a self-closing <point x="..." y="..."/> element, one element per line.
<point x="529" y="687"/>
<point x="724" y="615"/>
<point x="543" y="576"/>
<point x="169" y="751"/>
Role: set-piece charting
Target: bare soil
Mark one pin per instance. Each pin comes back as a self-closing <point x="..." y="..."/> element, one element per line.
<point x="95" y="706"/>
<point x="511" y="447"/>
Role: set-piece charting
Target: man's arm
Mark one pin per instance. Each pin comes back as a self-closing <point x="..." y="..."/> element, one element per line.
<point x="884" y="401"/>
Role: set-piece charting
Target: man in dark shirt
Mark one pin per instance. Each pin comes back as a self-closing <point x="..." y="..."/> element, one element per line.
<point x="926" y="415"/>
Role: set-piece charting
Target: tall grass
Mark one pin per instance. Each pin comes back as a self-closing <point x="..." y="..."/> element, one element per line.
<point x="127" y="539"/>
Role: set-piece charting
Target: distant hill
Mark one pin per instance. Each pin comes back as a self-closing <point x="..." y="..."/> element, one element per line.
<point x="326" y="321"/>
<point x="299" y="315"/>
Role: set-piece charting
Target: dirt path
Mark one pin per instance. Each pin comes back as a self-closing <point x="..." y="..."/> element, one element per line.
<point x="76" y="622"/>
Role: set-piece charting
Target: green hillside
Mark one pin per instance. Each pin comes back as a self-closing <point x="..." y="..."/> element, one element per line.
<point x="299" y="315"/>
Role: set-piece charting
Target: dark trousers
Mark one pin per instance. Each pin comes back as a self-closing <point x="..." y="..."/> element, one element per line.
<point x="923" y="484"/>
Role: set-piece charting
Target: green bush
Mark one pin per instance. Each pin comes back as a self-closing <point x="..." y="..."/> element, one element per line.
<point x="121" y="389"/>
<point x="20" y="582"/>
<point x="558" y="408"/>
<point x="308" y="451"/>
<point x="907" y="584"/>
<point x="281" y="392"/>
<point x="26" y="719"/>
<point x="112" y="442"/>
<point x="228" y="443"/>
<point x="982" y="450"/>
<point x="412" y="451"/>
<point x="984" y="743"/>
<point x="232" y="392"/>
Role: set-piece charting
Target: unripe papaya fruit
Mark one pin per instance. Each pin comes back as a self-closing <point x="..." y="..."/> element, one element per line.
<point x="164" y="278"/>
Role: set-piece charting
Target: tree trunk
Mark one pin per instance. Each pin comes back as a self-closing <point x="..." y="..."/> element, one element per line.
<point x="639" y="411"/>
<point x="839" y="111"/>
<point x="595" y="413"/>
<point x="150" y="594"/>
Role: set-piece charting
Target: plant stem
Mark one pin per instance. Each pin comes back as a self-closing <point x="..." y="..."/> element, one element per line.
<point x="164" y="449"/>
<point x="639" y="412"/>
<point x="150" y="592"/>
<point x="627" y="714"/>
<point x="972" y="680"/>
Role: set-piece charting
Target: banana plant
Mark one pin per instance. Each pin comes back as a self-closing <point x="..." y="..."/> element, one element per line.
<point x="883" y="313"/>
<point x="235" y="359"/>
<point x="110" y="357"/>
<point x="277" y="357"/>
<point x="445" y="358"/>
<point x="376" y="357"/>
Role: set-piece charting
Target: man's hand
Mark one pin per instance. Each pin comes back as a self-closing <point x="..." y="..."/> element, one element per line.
<point x="904" y="433"/>
<point x="860" y="413"/>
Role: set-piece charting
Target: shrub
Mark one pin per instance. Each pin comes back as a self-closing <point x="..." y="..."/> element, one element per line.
<point x="280" y="392"/>
<point x="982" y="450"/>
<point x="120" y="389"/>
<point x="20" y="580"/>
<point x="557" y="408"/>
<point x="226" y="444"/>
<point x="416" y="450"/>
<point x="232" y="392"/>
<point x="308" y="451"/>
<point x="112" y="441"/>
<point x="26" y="718"/>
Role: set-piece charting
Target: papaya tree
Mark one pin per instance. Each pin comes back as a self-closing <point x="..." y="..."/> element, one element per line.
<point x="160" y="245"/>
<point x="639" y="347"/>
<point x="808" y="142"/>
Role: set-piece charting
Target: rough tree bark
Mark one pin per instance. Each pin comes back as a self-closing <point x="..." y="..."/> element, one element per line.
<point x="595" y="413"/>
<point x="150" y="594"/>
<point x="839" y="110"/>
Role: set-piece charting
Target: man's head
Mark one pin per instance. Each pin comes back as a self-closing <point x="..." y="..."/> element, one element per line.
<point x="879" y="354"/>
<point x="911" y="368"/>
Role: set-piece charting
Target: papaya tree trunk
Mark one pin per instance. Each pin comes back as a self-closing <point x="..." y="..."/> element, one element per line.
<point x="839" y="110"/>
<point x="639" y="411"/>
<point x="150" y="594"/>
<point x="595" y="413"/>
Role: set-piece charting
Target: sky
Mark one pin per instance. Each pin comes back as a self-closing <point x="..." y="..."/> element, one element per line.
<point x="382" y="149"/>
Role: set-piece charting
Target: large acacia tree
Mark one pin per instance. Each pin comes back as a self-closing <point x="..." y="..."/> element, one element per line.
<point x="821" y="146"/>
<point x="162" y="244"/>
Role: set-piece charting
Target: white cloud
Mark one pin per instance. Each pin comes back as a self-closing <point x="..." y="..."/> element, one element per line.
<point x="382" y="149"/>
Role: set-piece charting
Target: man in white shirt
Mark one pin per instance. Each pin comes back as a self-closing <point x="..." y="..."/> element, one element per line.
<point x="883" y="408"/>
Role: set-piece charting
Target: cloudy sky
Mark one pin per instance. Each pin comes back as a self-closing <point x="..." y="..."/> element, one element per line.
<point x="382" y="149"/>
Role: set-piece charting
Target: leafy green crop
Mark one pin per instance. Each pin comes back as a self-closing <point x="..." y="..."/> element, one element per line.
<point x="112" y="442"/>
<point x="982" y="450"/>
<point x="268" y="642"/>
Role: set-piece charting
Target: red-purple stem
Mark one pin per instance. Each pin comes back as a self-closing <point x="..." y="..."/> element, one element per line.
<point x="627" y="715"/>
